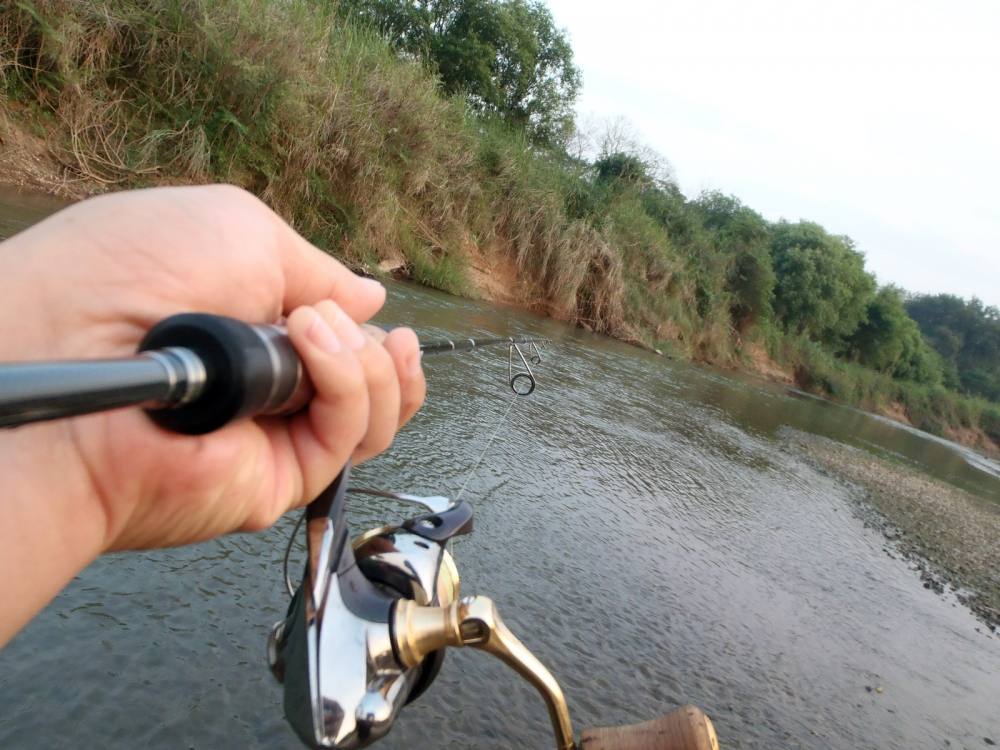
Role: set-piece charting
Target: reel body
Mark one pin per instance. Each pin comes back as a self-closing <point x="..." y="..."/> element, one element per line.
<point x="335" y="652"/>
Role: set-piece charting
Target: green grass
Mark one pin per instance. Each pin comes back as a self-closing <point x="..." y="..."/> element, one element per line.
<point x="359" y="150"/>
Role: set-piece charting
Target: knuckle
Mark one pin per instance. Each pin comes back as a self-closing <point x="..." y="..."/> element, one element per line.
<point x="340" y="381"/>
<point x="355" y="383"/>
<point x="379" y="367"/>
<point x="233" y="194"/>
<point x="260" y="519"/>
<point x="383" y="439"/>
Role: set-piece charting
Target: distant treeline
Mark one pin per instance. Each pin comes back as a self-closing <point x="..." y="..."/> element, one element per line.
<point x="511" y="62"/>
<point x="966" y="333"/>
<point x="439" y="134"/>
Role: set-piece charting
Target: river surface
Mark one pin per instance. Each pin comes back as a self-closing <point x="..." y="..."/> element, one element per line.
<point x="643" y="527"/>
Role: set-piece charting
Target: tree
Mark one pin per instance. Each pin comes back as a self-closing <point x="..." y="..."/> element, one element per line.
<point x="822" y="287"/>
<point x="743" y="236"/>
<point x="506" y="56"/>
<point x="890" y="341"/>
<point x="967" y="336"/>
<point x="619" y="136"/>
<point x="623" y="168"/>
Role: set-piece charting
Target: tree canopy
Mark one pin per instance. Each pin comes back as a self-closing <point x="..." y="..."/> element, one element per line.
<point x="743" y="236"/>
<point x="506" y="56"/>
<point x="967" y="336"/>
<point x="888" y="340"/>
<point x="823" y="289"/>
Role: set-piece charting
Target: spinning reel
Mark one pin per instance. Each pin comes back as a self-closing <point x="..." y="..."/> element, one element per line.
<point x="367" y="628"/>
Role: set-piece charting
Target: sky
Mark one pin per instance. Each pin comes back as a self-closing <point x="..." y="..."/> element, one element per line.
<point x="877" y="119"/>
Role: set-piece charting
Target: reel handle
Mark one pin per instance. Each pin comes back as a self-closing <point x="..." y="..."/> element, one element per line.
<point x="684" y="728"/>
<point x="473" y="621"/>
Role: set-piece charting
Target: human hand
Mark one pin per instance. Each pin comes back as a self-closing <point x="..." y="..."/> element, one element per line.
<point x="91" y="280"/>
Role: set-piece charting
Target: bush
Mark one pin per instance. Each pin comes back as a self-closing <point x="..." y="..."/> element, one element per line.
<point x="356" y="147"/>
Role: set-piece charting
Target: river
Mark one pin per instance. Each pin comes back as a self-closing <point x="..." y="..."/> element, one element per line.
<point x="644" y="527"/>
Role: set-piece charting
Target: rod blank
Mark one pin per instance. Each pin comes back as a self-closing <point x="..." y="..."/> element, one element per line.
<point x="467" y="345"/>
<point x="195" y="373"/>
<point x="34" y="392"/>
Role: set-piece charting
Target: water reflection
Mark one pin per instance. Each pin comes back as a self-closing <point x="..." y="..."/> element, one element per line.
<point x="19" y="209"/>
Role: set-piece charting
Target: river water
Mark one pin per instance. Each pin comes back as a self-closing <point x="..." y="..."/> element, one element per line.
<point x="643" y="527"/>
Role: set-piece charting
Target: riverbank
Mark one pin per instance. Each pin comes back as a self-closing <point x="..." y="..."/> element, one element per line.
<point x="25" y="161"/>
<point x="949" y="534"/>
<point x="359" y="150"/>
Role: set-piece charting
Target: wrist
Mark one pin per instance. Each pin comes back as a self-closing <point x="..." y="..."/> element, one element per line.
<point x="49" y="529"/>
<point x="23" y="303"/>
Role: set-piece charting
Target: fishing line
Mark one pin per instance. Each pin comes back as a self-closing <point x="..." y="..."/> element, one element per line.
<point x="489" y="442"/>
<point x="522" y="383"/>
<point x="468" y="478"/>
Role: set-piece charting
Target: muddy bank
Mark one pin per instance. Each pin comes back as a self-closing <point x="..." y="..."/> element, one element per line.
<point x="488" y="273"/>
<point x="951" y="535"/>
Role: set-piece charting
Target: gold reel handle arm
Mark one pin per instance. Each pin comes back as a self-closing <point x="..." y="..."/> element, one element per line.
<point x="473" y="621"/>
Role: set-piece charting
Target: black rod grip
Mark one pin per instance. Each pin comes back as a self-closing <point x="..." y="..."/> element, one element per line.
<point x="249" y="370"/>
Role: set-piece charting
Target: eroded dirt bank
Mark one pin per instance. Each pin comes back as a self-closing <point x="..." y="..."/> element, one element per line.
<point x="26" y="160"/>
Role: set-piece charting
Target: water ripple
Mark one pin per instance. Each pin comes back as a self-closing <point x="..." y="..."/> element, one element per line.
<point x="642" y="530"/>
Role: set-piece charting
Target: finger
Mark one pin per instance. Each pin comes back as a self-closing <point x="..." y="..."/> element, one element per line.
<point x="404" y="348"/>
<point x="312" y="276"/>
<point x="375" y="332"/>
<point x="380" y="380"/>
<point x="324" y="437"/>
<point x="383" y="398"/>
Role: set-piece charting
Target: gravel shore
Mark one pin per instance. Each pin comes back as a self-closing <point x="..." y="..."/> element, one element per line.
<point x="952" y="535"/>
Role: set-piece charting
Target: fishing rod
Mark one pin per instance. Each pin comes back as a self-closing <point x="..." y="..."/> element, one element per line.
<point x="367" y="628"/>
<point x="195" y="373"/>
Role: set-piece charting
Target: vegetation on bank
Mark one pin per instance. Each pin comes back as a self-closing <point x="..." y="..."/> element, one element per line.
<point x="433" y="136"/>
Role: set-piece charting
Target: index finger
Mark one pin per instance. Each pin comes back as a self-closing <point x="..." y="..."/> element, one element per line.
<point x="312" y="276"/>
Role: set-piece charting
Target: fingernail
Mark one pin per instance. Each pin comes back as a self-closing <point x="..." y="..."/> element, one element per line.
<point x="372" y="284"/>
<point x="348" y="331"/>
<point x="320" y="333"/>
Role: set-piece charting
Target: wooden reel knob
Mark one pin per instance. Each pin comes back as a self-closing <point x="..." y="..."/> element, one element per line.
<point x="685" y="728"/>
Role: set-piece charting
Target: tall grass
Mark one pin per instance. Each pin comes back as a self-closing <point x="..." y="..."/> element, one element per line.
<point x="359" y="150"/>
<point x="355" y="147"/>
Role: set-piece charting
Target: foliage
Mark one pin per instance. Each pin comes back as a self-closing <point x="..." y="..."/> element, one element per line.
<point x="967" y="336"/>
<point x="822" y="287"/>
<point x="743" y="236"/>
<point x="624" y="169"/>
<point x="888" y="340"/>
<point x="355" y="145"/>
<point x="507" y="56"/>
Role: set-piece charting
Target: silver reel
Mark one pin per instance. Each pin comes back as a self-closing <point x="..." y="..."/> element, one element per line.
<point x="366" y="629"/>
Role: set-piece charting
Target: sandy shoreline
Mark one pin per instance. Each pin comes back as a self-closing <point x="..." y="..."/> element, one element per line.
<point x="952" y="535"/>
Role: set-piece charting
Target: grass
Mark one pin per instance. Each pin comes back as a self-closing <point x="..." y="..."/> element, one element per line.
<point x="359" y="150"/>
<point x="355" y="147"/>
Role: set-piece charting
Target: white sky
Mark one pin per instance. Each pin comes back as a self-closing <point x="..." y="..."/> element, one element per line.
<point x="878" y="119"/>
